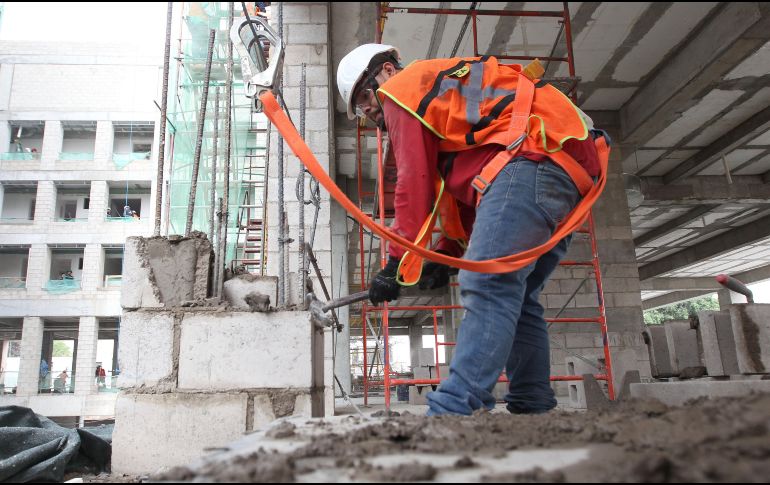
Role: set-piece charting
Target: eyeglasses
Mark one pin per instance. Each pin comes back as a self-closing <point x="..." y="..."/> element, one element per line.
<point x="362" y="99"/>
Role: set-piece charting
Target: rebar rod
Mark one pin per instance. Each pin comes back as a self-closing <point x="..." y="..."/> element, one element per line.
<point x="282" y="281"/>
<point x="302" y="275"/>
<point x="222" y="249"/>
<point x="213" y="177"/>
<point x="163" y="115"/>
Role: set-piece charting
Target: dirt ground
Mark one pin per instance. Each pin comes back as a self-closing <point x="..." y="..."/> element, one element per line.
<point x="721" y="440"/>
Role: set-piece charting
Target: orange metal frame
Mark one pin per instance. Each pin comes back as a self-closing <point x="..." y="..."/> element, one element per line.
<point x="385" y="309"/>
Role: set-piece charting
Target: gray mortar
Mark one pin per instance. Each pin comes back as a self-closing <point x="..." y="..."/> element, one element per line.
<point x="751" y="337"/>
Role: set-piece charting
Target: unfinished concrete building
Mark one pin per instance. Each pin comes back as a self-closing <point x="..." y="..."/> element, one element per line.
<point x="217" y="337"/>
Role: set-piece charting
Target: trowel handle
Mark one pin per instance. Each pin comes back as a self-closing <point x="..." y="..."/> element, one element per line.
<point x="346" y="300"/>
<point x="732" y="284"/>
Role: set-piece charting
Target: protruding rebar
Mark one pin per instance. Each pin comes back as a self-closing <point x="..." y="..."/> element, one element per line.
<point x="163" y="115"/>
<point x="213" y="177"/>
<point x="302" y="274"/>
<point x="222" y="249"/>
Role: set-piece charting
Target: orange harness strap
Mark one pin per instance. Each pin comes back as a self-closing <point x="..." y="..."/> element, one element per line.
<point x="500" y="265"/>
<point x="517" y="134"/>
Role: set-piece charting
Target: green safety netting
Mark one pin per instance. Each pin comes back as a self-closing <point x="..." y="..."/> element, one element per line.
<point x="184" y="106"/>
<point x="122" y="159"/>
<point x="77" y="156"/>
<point x="9" y="283"/>
<point x="59" y="287"/>
<point x="19" y="156"/>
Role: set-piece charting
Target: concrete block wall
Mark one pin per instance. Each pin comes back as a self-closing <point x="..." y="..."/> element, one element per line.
<point x="717" y="343"/>
<point x="305" y="31"/>
<point x="751" y="329"/>
<point x="200" y="378"/>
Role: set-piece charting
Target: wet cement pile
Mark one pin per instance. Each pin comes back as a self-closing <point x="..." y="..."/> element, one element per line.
<point x="716" y="440"/>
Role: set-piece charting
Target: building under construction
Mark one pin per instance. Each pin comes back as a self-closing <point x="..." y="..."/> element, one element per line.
<point x="236" y="354"/>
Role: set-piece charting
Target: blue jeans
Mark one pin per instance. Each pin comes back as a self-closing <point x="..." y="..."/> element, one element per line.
<point x="503" y="325"/>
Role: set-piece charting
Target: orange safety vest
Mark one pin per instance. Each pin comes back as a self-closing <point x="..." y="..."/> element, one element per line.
<point x="477" y="101"/>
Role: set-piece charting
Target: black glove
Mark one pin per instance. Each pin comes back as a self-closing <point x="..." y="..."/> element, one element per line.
<point x="435" y="276"/>
<point x="384" y="286"/>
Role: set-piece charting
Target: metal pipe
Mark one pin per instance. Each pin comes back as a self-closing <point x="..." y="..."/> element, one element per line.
<point x="302" y="275"/>
<point x="456" y="11"/>
<point x="213" y="177"/>
<point x="199" y="138"/>
<point x="163" y="115"/>
<point x="222" y="249"/>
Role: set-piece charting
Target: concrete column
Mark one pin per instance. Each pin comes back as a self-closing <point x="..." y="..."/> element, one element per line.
<point x="99" y="195"/>
<point x="340" y="285"/>
<point x="93" y="267"/>
<point x="52" y="144"/>
<point x="38" y="268"/>
<point x="6" y="82"/>
<point x="2" y="197"/>
<point x="105" y="136"/>
<point x="5" y="127"/>
<point x="415" y="343"/>
<point x="45" y="202"/>
<point x="31" y="351"/>
<point x="88" y="335"/>
<point x="728" y="297"/>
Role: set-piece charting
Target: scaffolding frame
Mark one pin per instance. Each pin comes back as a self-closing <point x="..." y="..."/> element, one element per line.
<point x="389" y="378"/>
<point x="248" y="160"/>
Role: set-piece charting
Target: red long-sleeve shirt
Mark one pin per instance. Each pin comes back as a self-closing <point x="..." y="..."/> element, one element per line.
<point x="418" y="160"/>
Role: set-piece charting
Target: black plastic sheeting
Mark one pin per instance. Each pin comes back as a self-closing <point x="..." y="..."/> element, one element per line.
<point x="34" y="448"/>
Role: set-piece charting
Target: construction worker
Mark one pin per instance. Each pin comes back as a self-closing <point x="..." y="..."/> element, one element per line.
<point x="449" y="123"/>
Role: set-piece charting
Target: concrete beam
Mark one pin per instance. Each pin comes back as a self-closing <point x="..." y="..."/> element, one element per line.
<point x="715" y="246"/>
<point x="680" y="284"/>
<point x="706" y="189"/>
<point x="734" y="32"/>
<point x="735" y="138"/>
<point x="671" y="298"/>
<point x="674" y="223"/>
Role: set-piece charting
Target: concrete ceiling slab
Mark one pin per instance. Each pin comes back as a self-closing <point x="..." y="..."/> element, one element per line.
<point x="732" y="118"/>
<point x="608" y="98"/>
<point x="695" y="117"/>
<point x="668" y="162"/>
<point x="754" y="66"/>
<point x="758" y="167"/>
<point x="640" y="158"/>
<point x="608" y="27"/>
<point x="761" y="140"/>
<point x="664" y="36"/>
<point x="734" y="160"/>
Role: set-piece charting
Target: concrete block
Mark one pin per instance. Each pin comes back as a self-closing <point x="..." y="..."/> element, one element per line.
<point x="660" y="360"/>
<point x="579" y="367"/>
<point x="237" y="289"/>
<point x="427" y="357"/>
<point x="138" y="289"/>
<point x="146" y="349"/>
<point x="163" y="272"/>
<point x="623" y="361"/>
<point x="717" y="343"/>
<point x="751" y="328"/>
<point x="241" y="350"/>
<point x="682" y="345"/>
<point x="154" y="431"/>
<point x="418" y="395"/>
<point x="263" y="412"/>
<point x="678" y="393"/>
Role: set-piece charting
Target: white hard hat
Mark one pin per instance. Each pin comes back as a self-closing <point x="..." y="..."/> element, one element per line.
<point x="352" y="68"/>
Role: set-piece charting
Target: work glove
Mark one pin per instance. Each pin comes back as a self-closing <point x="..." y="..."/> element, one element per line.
<point x="435" y="276"/>
<point x="384" y="286"/>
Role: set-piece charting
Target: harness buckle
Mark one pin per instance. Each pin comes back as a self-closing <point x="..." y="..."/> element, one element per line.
<point x="517" y="142"/>
<point x="480" y="185"/>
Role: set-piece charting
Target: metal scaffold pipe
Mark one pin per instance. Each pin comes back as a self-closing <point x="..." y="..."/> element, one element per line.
<point x="222" y="249"/>
<point x="163" y="115"/>
<point x="199" y="139"/>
